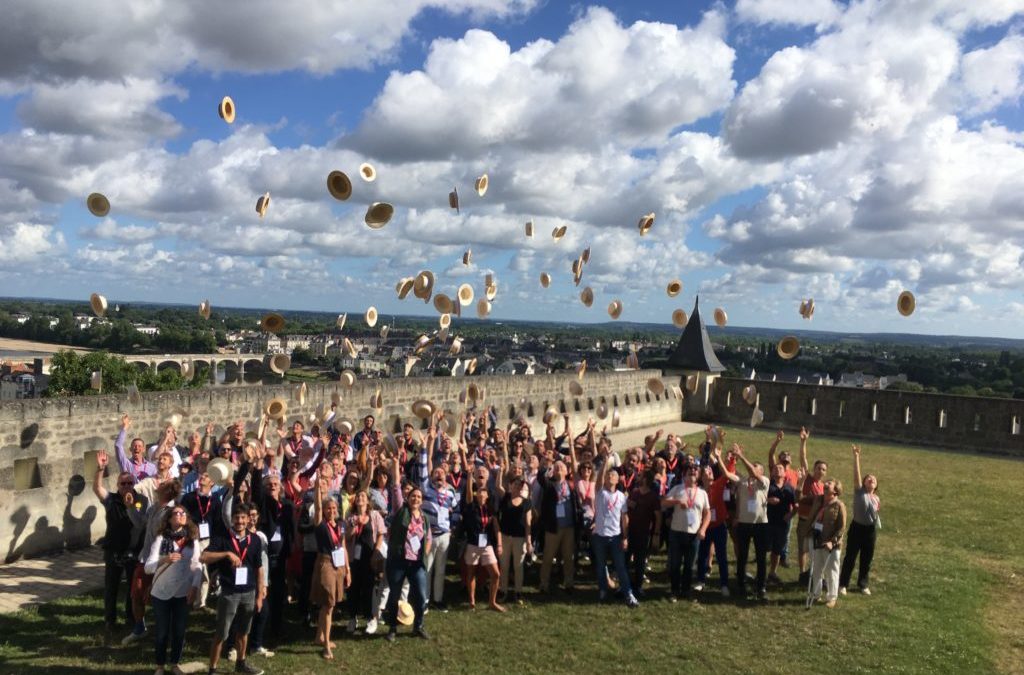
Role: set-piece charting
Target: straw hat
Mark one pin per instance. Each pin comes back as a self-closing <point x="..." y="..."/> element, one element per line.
<point x="405" y="615"/>
<point x="342" y="318"/>
<point x="602" y="411"/>
<point x="615" y="309"/>
<point x="262" y="204"/>
<point x="550" y="415"/>
<point x="481" y="185"/>
<point x="226" y="110"/>
<point x="467" y="257"/>
<point x="423" y="409"/>
<point x="489" y="279"/>
<point x="691" y="383"/>
<point x="134" y="397"/>
<point x="587" y="296"/>
<point x="788" y="347"/>
<point x="558" y="232"/>
<point x="350" y="348"/>
<point x="581" y="369"/>
<point x="632" y="360"/>
<point x="473" y="392"/>
<point x="276" y="408"/>
<point x="339" y="185"/>
<point x="483" y="308"/>
<point x="529" y="228"/>
<point x="299" y="393"/>
<point x="272" y="322"/>
<point x="98" y="304"/>
<point x="188" y="369"/>
<point x="344" y="427"/>
<point x="384" y="332"/>
<point x="377" y="401"/>
<point x="545" y="279"/>
<point x="807" y="308"/>
<point x="679" y="318"/>
<point x="677" y="391"/>
<point x="404" y="286"/>
<point x="615" y="418"/>
<point x="280" y="363"/>
<point x="219" y="470"/>
<point x="456" y="346"/>
<point x="906" y="303"/>
<point x="465" y="294"/>
<point x="336" y="397"/>
<point x="721" y="318"/>
<point x="443" y="304"/>
<point x="453" y="199"/>
<point x="378" y="215"/>
<point x="205" y="309"/>
<point x="750" y="394"/>
<point x="371" y="317"/>
<point x="96" y="380"/>
<point x="585" y="256"/>
<point x="575" y="388"/>
<point x="98" y="204"/>
<point x="367" y="172"/>
<point x="756" y="417"/>
<point x="423" y="285"/>
<point x="471" y="366"/>
<point x="656" y="386"/>
<point x="174" y="419"/>
<point x="646" y="223"/>
<point x="490" y="291"/>
<point x="674" y="288"/>
<point x="348" y="378"/>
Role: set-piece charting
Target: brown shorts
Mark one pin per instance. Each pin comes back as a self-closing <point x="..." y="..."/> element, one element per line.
<point x="141" y="584"/>
<point x="328" y="587"/>
<point x="480" y="555"/>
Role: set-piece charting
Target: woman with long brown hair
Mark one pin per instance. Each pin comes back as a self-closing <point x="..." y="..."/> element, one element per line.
<point x="364" y="534"/>
<point x="863" y="528"/>
<point x="331" y="574"/>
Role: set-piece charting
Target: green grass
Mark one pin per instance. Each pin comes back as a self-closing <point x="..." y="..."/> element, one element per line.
<point x="947" y="584"/>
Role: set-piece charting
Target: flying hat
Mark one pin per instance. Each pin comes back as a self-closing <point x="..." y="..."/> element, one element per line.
<point x="276" y="408"/>
<point x="272" y="322"/>
<point x="489" y="279"/>
<point x="615" y="309"/>
<point x="422" y="342"/>
<point x="205" y="310"/>
<point x="615" y="418"/>
<point x="691" y="383"/>
<point x="721" y="318"/>
<point x="97" y="204"/>
<point x="349" y="347"/>
<point x="575" y="388"/>
<point x="423" y="409"/>
<point x="807" y="308"/>
<point x="134" y="397"/>
<point x="96" y="380"/>
<point x="345" y="427"/>
<point x="280" y="363"/>
<point x="424" y="285"/>
<point x="473" y="392"/>
<point x="587" y="296"/>
<point x="453" y="199"/>
<point x="632" y="360"/>
<point x="756" y="417"/>
<point x="467" y="257"/>
<point x="481" y="185"/>
<point x="558" y="232"/>
<point x="405" y="615"/>
<point x="188" y="369"/>
<point x="545" y="279"/>
<point x="339" y="185"/>
<point x="371" y="317"/>
<point x="581" y="369"/>
<point x="299" y="393"/>
<point x="550" y="415"/>
<point x="906" y="303"/>
<point x="219" y="470"/>
<point x="656" y="386"/>
<point x="98" y="304"/>
<point x="342" y="318"/>
<point x="336" y="397"/>
<point x="378" y="215"/>
<point x="262" y="204"/>
<point x="367" y="172"/>
<point x="404" y="286"/>
<point x="226" y="110"/>
<point x="348" y="377"/>
<point x="679" y="318"/>
<point x="788" y="347"/>
<point x="174" y="419"/>
<point x="456" y="346"/>
<point x="677" y="391"/>
<point x="674" y="288"/>
<point x="483" y="308"/>
<point x="491" y="291"/>
<point x="585" y="256"/>
<point x="443" y="304"/>
<point x="470" y="366"/>
<point x="529" y="228"/>
<point x="750" y="394"/>
<point x="646" y="223"/>
<point x="377" y="401"/>
<point x="465" y="294"/>
<point x="602" y="410"/>
<point x="384" y="332"/>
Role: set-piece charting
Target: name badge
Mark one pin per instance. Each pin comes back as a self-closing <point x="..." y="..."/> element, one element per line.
<point x="560" y="510"/>
<point x="692" y="518"/>
<point x="819" y="526"/>
<point x="204" y="530"/>
<point x="713" y="516"/>
<point x="481" y="540"/>
<point x="241" y="576"/>
<point x="414" y="543"/>
<point x="357" y="552"/>
<point x="338" y="557"/>
<point x="442" y="518"/>
<point x="277" y="534"/>
<point x="752" y="505"/>
<point x="726" y="493"/>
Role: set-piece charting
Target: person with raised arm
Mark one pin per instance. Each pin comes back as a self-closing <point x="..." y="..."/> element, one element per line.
<point x="810" y="488"/>
<point x="752" y="514"/>
<point x="409" y="541"/>
<point x="717" y="534"/>
<point x="864" y="528"/>
<point x="134" y="463"/>
<point x="608" y="536"/>
<point x="560" y="513"/>
<point x="331" y="575"/>
<point x="691" y="515"/>
<point x="644" y="533"/>
<point x="515" y="518"/>
<point x="781" y="507"/>
<point x="439" y="504"/>
<point x="365" y="530"/>
<point x="204" y="510"/>
<point x="792" y="479"/>
<point x="483" y="540"/>
<point x="828" y="521"/>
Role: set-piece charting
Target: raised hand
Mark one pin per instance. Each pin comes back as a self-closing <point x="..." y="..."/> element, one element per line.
<point x="779" y="436"/>
<point x="126" y="422"/>
<point x="102" y="459"/>
<point x="737" y="450"/>
<point x="209" y="428"/>
<point x="856" y="451"/>
<point x="804" y="434"/>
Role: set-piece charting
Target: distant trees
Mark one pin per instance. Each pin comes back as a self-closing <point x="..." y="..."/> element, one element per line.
<point x="70" y="375"/>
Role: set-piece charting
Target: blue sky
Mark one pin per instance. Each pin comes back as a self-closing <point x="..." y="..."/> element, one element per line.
<point x="844" y="151"/>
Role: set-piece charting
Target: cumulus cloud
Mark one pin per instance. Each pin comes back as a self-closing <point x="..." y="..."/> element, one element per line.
<point x="28" y="242"/>
<point x="804" y="13"/>
<point x="992" y="76"/>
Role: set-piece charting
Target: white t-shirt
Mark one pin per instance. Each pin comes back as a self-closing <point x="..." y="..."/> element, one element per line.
<point x="688" y="516"/>
<point x="608" y="510"/>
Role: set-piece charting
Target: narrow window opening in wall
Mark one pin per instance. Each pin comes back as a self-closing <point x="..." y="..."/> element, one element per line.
<point x="943" y="419"/>
<point x="977" y="421"/>
<point x="615" y="400"/>
<point x="529" y="410"/>
<point x="1015" y="425"/>
<point x="648" y="395"/>
<point x="906" y="414"/>
<point x="590" y="404"/>
<point x="728" y="399"/>
<point x="784" y="404"/>
<point x="576" y="405"/>
<point x="26" y="474"/>
<point x="874" y="412"/>
<point x="842" y="408"/>
<point x="89" y="465"/>
<point x="814" y="406"/>
<point x="561" y="407"/>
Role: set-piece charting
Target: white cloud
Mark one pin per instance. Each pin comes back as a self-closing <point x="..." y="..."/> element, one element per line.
<point x="992" y="76"/>
<point x="803" y="13"/>
<point x="28" y="242"/>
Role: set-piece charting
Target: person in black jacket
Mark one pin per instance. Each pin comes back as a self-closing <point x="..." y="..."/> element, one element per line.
<point x="204" y="509"/>
<point x="560" y="515"/>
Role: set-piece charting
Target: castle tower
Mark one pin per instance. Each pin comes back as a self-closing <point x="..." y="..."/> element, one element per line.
<point x="695" y="363"/>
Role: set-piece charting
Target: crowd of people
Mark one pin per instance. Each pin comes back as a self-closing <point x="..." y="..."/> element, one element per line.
<point x="366" y="525"/>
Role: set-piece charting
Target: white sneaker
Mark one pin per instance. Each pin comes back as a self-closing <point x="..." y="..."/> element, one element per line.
<point x="232" y="654"/>
<point x="264" y="652"/>
<point x="132" y="637"/>
<point x="842" y="590"/>
<point x="371" y="626"/>
<point x="866" y="591"/>
<point x="725" y="591"/>
<point x="352" y="625"/>
<point x="699" y="586"/>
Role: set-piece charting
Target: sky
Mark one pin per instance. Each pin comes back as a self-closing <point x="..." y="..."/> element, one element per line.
<point x="840" y="151"/>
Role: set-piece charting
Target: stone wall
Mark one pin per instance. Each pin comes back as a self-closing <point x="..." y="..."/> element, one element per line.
<point x="958" y="422"/>
<point x="48" y="447"/>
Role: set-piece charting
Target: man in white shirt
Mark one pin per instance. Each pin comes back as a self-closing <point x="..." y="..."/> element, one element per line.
<point x="168" y="444"/>
<point x="691" y="515"/>
<point x="608" y="535"/>
<point x="752" y="513"/>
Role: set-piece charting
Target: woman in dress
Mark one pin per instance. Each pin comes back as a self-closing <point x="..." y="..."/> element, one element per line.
<point x="331" y="573"/>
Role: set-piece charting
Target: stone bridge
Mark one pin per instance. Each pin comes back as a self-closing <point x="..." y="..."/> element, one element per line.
<point x="232" y="367"/>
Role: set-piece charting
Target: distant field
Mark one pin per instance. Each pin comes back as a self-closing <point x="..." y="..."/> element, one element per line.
<point x="21" y="346"/>
<point x="948" y="588"/>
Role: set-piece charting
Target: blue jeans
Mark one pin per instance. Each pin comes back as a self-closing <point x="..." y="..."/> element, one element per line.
<point x="717" y="537"/>
<point x="603" y="547"/>
<point x="171" y="616"/>
<point x="398" y="571"/>
<point x="785" y="547"/>
<point x="682" y="550"/>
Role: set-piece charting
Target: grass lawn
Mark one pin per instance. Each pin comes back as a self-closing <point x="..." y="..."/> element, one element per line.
<point x="948" y="596"/>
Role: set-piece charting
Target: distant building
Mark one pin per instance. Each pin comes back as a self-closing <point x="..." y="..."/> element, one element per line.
<point x="516" y="367"/>
<point x="146" y="330"/>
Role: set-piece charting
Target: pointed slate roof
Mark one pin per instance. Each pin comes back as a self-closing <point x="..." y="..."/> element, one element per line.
<point x="694" y="351"/>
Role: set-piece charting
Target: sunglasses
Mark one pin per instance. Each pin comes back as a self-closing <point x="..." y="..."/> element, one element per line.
<point x="126" y="482"/>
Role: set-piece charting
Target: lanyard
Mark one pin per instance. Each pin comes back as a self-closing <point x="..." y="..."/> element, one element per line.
<point x="673" y="463"/>
<point x="357" y="526"/>
<point x="241" y="551"/>
<point x="563" y="491"/>
<point x="335" y="533"/>
<point x="691" y="496"/>
<point x="628" y="481"/>
<point x="588" y="490"/>
<point x="456" y="479"/>
<point x="485" y="518"/>
<point x="612" y="501"/>
<point x="202" y="511"/>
